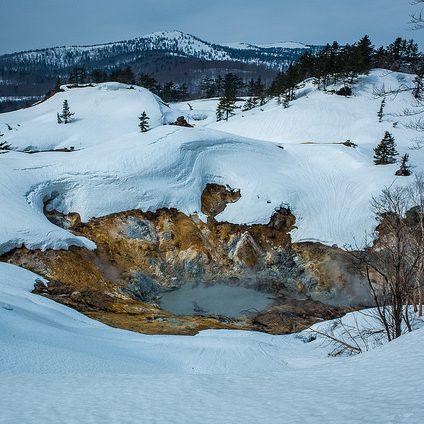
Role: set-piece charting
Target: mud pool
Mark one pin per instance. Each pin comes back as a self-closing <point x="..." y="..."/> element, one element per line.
<point x="217" y="299"/>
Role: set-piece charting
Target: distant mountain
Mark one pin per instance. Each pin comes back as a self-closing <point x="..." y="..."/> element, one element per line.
<point x="167" y="55"/>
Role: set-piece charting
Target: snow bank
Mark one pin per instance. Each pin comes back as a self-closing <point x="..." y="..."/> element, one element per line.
<point x="58" y="366"/>
<point x="102" y="113"/>
<point x="328" y="186"/>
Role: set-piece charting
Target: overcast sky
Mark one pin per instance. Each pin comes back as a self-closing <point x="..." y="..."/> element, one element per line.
<point x="29" y="24"/>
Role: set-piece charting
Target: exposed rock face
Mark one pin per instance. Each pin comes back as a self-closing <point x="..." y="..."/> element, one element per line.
<point x="182" y="122"/>
<point x="215" y="198"/>
<point x="140" y="254"/>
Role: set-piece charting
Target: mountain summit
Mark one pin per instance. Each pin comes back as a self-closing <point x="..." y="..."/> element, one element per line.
<point x="166" y="55"/>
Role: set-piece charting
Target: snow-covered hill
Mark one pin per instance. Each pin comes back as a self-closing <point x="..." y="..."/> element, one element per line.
<point x="170" y="42"/>
<point x="328" y="186"/>
<point x="57" y="365"/>
<point x="102" y="113"/>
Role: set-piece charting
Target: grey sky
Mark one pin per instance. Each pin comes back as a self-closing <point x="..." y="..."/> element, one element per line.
<point x="28" y="24"/>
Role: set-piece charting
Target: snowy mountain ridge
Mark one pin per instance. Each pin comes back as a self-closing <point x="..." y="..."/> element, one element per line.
<point x="171" y="42"/>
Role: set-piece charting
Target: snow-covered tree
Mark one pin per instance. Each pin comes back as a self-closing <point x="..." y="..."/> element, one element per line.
<point x="251" y="102"/>
<point x="380" y="112"/>
<point x="417" y="91"/>
<point x="144" y="122"/>
<point x="385" y="153"/>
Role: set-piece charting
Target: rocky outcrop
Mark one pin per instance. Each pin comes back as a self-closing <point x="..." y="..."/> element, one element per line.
<point x="141" y="254"/>
<point x="215" y="198"/>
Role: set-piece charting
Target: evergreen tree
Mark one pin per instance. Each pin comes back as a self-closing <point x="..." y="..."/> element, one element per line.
<point x="73" y="77"/>
<point x="225" y="109"/>
<point x="251" y="103"/>
<point x="66" y="115"/>
<point x="227" y="103"/>
<point x="258" y="92"/>
<point x="286" y="100"/>
<point x="168" y="92"/>
<point x="57" y="85"/>
<point x="404" y="169"/>
<point x="380" y="113"/>
<point x="59" y="119"/>
<point x="99" y="76"/>
<point x="208" y="88"/>
<point x="219" y="85"/>
<point x="144" y="122"/>
<point x="418" y="84"/>
<point x="78" y="76"/>
<point x="363" y="54"/>
<point x="385" y="153"/>
<point x="125" y="75"/>
<point x="147" y="81"/>
<point x="219" y="113"/>
<point x="182" y="92"/>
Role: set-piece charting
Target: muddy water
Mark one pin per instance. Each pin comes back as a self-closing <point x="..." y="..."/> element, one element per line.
<point x="218" y="299"/>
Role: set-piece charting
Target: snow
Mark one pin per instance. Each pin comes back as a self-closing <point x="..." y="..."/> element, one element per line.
<point x="57" y="365"/>
<point x="327" y="185"/>
<point x="286" y="45"/>
<point x="115" y="108"/>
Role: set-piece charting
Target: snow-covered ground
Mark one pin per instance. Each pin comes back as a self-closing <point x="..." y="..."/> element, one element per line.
<point x="327" y="185"/>
<point x="57" y="365"/>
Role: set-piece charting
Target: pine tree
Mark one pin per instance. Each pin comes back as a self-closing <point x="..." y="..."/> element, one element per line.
<point x="59" y="119"/>
<point x="57" y="85"/>
<point x="208" y="87"/>
<point x="385" y="153"/>
<point x="258" y="93"/>
<point x="219" y="112"/>
<point x="66" y="113"/>
<point x="404" y="169"/>
<point x="251" y="102"/>
<point x="147" y="81"/>
<point x="418" y="84"/>
<point x="227" y="103"/>
<point x="380" y="113"/>
<point x="144" y="122"/>
<point x="363" y="52"/>
<point x="225" y="109"/>
<point x="286" y="101"/>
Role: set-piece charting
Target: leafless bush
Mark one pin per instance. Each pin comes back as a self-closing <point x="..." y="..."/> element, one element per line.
<point x="393" y="264"/>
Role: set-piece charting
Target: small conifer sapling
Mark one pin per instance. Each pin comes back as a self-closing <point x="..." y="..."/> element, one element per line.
<point x="404" y="169"/>
<point x="144" y="122"/>
<point x="66" y="115"/>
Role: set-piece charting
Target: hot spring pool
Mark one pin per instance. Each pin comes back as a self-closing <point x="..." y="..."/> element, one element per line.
<point x="217" y="299"/>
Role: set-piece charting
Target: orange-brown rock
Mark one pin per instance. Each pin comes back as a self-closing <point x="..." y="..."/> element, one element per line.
<point x="215" y="198"/>
<point x="139" y="254"/>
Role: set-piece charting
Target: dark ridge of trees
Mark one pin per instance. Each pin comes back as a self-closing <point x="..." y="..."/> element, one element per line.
<point x="177" y="78"/>
<point x="335" y="64"/>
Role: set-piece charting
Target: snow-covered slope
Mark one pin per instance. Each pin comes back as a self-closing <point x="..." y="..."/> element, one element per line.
<point x="57" y="365"/>
<point x="328" y="186"/>
<point x="323" y="117"/>
<point x="103" y="112"/>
